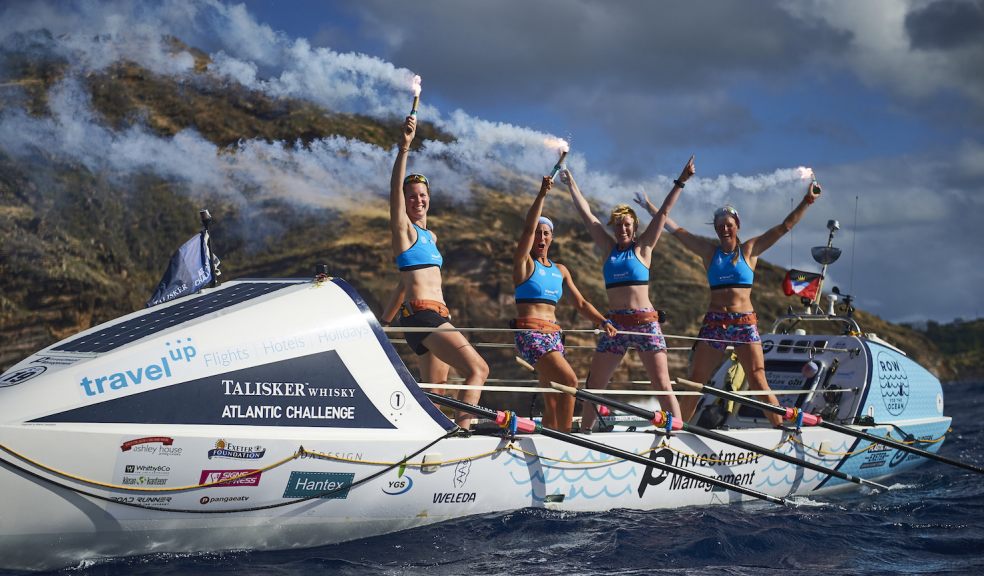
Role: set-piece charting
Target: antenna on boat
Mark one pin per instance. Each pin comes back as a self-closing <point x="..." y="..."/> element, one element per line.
<point x="825" y="255"/>
<point x="206" y="219"/>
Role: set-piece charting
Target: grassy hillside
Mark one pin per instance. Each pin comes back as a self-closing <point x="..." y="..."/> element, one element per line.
<point x="78" y="248"/>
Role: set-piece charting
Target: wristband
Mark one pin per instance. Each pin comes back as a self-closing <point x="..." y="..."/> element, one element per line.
<point x="680" y="184"/>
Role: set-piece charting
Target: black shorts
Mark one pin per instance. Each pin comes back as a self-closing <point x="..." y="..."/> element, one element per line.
<point x="421" y="319"/>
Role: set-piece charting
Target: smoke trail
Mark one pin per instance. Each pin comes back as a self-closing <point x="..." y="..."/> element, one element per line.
<point x="91" y="36"/>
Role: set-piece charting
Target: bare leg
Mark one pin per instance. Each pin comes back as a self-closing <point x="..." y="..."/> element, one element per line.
<point x="751" y="359"/>
<point x="434" y="371"/>
<point x="558" y="409"/>
<point x="454" y="349"/>
<point x="705" y="361"/>
<point x="603" y="365"/>
<point x="659" y="376"/>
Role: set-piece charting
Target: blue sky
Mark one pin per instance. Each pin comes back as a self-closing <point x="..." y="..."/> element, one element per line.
<point x="883" y="98"/>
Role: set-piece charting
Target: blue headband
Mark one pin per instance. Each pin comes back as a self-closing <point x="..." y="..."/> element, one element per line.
<point x="545" y="220"/>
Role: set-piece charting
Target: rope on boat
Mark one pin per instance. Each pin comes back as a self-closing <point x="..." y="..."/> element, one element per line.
<point x="566" y="346"/>
<point x="300" y="451"/>
<point x="888" y="436"/>
<point x="539" y="389"/>
<point x="595" y="331"/>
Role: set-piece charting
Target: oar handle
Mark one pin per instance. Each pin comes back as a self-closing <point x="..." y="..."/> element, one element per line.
<point x="787" y="413"/>
<point x="658" y="419"/>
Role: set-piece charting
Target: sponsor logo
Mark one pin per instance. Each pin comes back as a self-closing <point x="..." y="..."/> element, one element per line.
<point x="894" y="383"/>
<point x="454" y="497"/>
<point x="224" y="449"/>
<point x="767" y="346"/>
<point x="221" y="478"/>
<point x="711" y="459"/>
<point x="461" y="472"/>
<point x="875" y="457"/>
<point x="146" y="500"/>
<point x="155" y="371"/>
<point x="147" y="469"/>
<point x="129" y="444"/>
<point x="20" y="375"/>
<point x="325" y="485"/>
<point x="901" y="456"/>
<point x="144" y="481"/>
<point x="221" y="499"/>
<point x="401" y="485"/>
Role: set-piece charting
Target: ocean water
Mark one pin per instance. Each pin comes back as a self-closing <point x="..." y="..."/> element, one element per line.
<point x="930" y="522"/>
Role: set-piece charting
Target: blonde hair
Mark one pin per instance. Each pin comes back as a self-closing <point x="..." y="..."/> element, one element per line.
<point x="621" y="211"/>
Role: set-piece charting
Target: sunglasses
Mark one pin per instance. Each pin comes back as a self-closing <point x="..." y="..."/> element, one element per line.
<point x="726" y="211"/>
<point x="416" y="178"/>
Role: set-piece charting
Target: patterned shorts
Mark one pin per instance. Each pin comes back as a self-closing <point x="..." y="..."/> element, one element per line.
<point x="621" y="343"/>
<point x="533" y="345"/>
<point x="722" y="326"/>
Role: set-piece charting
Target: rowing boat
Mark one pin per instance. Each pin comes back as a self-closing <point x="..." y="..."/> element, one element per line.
<point x="276" y="414"/>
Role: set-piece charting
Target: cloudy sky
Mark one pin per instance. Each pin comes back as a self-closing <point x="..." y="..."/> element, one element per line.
<point x="883" y="98"/>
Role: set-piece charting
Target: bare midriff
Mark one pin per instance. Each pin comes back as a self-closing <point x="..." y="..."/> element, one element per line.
<point x="423" y="284"/>
<point x="731" y="300"/>
<point x="540" y="310"/>
<point x="625" y="297"/>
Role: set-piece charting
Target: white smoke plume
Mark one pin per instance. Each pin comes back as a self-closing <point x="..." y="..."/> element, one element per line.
<point x="91" y="36"/>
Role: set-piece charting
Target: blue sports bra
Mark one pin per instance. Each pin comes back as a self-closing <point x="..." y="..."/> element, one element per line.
<point x="622" y="268"/>
<point x="723" y="274"/>
<point x="422" y="254"/>
<point x="544" y="286"/>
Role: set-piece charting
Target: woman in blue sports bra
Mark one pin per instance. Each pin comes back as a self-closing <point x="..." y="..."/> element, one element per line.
<point x="419" y="299"/>
<point x="540" y="284"/>
<point x="730" y="319"/>
<point x="626" y="272"/>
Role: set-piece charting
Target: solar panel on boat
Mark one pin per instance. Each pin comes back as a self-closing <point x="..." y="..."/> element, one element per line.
<point x="125" y="332"/>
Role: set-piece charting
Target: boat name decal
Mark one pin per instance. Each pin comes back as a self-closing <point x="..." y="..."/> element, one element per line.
<point x="325" y="485"/>
<point x="152" y="372"/>
<point x="454" y="497"/>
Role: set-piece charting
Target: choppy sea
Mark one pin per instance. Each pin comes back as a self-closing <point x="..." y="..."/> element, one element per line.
<point x="930" y="522"/>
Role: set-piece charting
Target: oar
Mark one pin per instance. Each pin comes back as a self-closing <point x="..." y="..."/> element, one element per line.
<point x="526" y="425"/>
<point x="812" y="419"/>
<point x="659" y="419"/>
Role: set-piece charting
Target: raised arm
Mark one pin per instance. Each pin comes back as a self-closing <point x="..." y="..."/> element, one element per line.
<point x="596" y="229"/>
<point x="522" y="262"/>
<point x="702" y="247"/>
<point x="400" y="227"/>
<point x="584" y="307"/>
<point x="649" y="237"/>
<point x="756" y="246"/>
